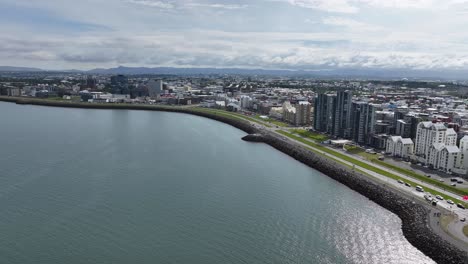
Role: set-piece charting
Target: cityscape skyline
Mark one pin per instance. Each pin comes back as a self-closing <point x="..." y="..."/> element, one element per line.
<point x="267" y="34"/>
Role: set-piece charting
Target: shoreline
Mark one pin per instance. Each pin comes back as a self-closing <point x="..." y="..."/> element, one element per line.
<point x="414" y="215"/>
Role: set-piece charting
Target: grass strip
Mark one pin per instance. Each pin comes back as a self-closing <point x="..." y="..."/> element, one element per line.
<point x="229" y="114"/>
<point x="367" y="166"/>
<point x="310" y="134"/>
<point x="374" y="159"/>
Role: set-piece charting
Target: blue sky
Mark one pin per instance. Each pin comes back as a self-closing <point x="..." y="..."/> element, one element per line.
<point x="270" y="34"/>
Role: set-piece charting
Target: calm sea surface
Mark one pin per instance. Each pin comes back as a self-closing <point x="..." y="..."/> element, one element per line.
<point x="117" y="186"/>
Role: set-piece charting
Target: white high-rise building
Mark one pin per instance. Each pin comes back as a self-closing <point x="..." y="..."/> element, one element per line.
<point x="463" y="161"/>
<point x="303" y="113"/>
<point x="289" y="113"/>
<point x="429" y="133"/>
<point x="245" y="101"/>
<point x="436" y="146"/>
<point x="444" y="157"/>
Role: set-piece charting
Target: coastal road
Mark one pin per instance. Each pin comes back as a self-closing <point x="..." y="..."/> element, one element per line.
<point x="455" y="228"/>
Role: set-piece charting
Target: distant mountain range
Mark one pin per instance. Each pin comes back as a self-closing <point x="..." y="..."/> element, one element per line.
<point x="18" y="69"/>
<point x="365" y="73"/>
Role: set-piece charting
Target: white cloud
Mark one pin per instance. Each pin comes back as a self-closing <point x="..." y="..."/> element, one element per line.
<point x="151" y="3"/>
<point x="219" y="6"/>
<point x="341" y="6"/>
<point x="185" y="4"/>
<point x="354" y="6"/>
<point x="226" y="49"/>
<point x="350" y="24"/>
<point x="359" y="33"/>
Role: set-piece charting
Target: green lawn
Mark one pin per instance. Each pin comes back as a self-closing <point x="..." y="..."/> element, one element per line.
<point x="230" y="114"/>
<point x="278" y="123"/>
<point x="272" y="121"/>
<point x="374" y="159"/>
<point x="310" y="134"/>
<point x="363" y="164"/>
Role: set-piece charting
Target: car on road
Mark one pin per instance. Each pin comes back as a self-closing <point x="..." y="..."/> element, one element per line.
<point x="439" y="197"/>
<point x="460" y="182"/>
<point x="407" y="184"/>
<point x="400" y="181"/>
<point x="427" y="175"/>
<point x="450" y="202"/>
<point x="453" y="184"/>
<point x="428" y="197"/>
<point x="441" y="180"/>
<point x="459" y="205"/>
<point x="453" y="179"/>
<point x="463" y="219"/>
<point x="419" y="189"/>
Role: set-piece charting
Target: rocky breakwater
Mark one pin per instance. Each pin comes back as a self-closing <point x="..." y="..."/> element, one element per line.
<point x="254" y="138"/>
<point x="414" y="215"/>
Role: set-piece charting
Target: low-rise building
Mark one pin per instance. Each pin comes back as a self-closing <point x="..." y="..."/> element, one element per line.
<point x="400" y="147"/>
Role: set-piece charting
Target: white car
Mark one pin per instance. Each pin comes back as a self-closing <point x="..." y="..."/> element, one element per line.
<point x="450" y="202"/>
<point x="439" y="197"/>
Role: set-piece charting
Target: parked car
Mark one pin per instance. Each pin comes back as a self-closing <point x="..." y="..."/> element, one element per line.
<point x="407" y="184"/>
<point x="400" y="181"/>
<point x="460" y="206"/>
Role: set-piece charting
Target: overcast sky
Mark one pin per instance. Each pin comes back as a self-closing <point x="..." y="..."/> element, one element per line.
<point x="270" y="34"/>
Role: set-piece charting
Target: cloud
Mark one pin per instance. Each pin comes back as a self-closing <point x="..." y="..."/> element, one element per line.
<point x="286" y="34"/>
<point x="354" y="6"/>
<point x="151" y="3"/>
<point x="218" y="6"/>
<point x="185" y="4"/>
<point x="227" y="49"/>
<point x="340" y="6"/>
<point x="350" y="24"/>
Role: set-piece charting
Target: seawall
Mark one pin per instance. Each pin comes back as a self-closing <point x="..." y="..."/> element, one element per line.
<point x="414" y="216"/>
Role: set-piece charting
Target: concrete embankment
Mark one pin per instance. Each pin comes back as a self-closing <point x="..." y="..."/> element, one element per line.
<point x="414" y="216"/>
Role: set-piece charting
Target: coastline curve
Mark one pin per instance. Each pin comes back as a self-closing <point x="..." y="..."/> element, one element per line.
<point x="414" y="215"/>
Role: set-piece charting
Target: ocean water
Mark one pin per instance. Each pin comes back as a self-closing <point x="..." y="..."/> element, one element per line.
<point x="118" y="186"/>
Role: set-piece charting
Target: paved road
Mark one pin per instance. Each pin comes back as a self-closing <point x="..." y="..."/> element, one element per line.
<point x="426" y="171"/>
<point x="455" y="228"/>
